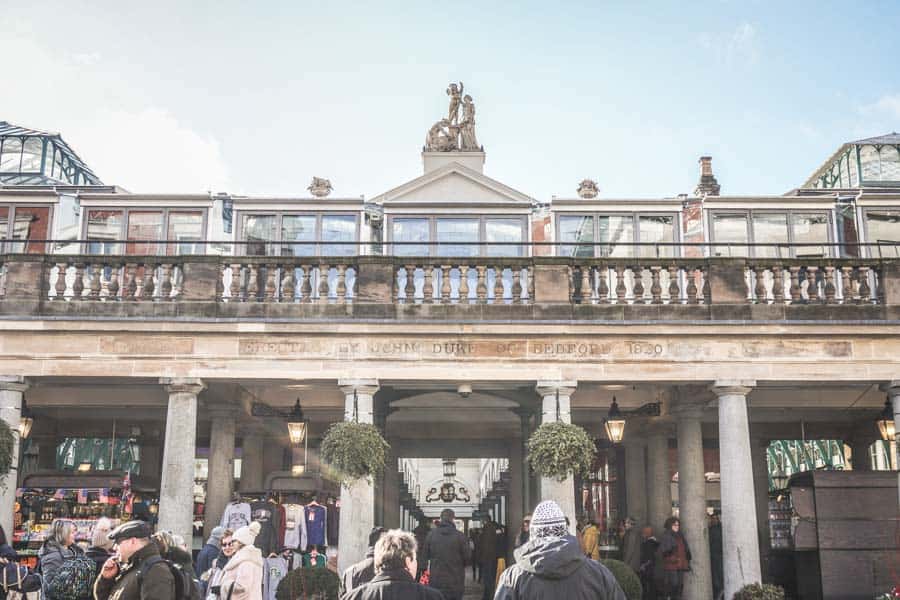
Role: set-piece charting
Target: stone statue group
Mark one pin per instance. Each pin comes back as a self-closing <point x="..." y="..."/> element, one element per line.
<point x="452" y="133"/>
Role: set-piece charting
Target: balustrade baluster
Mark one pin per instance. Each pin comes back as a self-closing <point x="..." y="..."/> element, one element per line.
<point x="655" y="286"/>
<point x="812" y="287"/>
<point x="235" y="287"/>
<point x="165" y="284"/>
<point x="778" y="284"/>
<point x="94" y="290"/>
<point x="602" y="285"/>
<point x="846" y="284"/>
<point x="341" y="287"/>
<point x="481" y="288"/>
<point x="516" y="284"/>
<point x="428" y="283"/>
<point x="638" y="288"/>
<point x="306" y="279"/>
<point x="287" y="284"/>
<point x="759" y="292"/>
<point x="271" y="274"/>
<point x="795" y="284"/>
<point x="149" y="286"/>
<point x="707" y="289"/>
<point x="463" y="283"/>
<point x="879" y="288"/>
<point x="690" y="274"/>
<point x="60" y="286"/>
<point x="445" y="283"/>
<point x="529" y="272"/>
<point x="113" y="287"/>
<point x="864" y="290"/>
<point x="674" y="285"/>
<point x="829" y="285"/>
<point x="324" y="288"/>
<point x="571" y="279"/>
<point x="78" y="284"/>
<point x="621" y="290"/>
<point x="252" y="282"/>
<point x="586" y="283"/>
<point x="410" y="288"/>
<point x="130" y="288"/>
<point x="498" y="284"/>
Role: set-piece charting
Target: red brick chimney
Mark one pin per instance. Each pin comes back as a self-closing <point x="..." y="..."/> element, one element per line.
<point x="707" y="186"/>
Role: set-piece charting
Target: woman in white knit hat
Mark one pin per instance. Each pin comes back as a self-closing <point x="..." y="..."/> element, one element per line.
<point x="242" y="576"/>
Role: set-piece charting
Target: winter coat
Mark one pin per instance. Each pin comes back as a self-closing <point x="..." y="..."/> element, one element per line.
<point x="631" y="549"/>
<point x="487" y="544"/>
<point x="393" y="585"/>
<point x="214" y="576"/>
<point x="554" y="568"/>
<point x="590" y="541"/>
<point x="157" y="582"/>
<point x="242" y="575"/>
<point x="359" y="574"/>
<point x="206" y="557"/>
<point x="446" y="554"/>
<point x="675" y="551"/>
<point x="51" y="557"/>
<point x="98" y="555"/>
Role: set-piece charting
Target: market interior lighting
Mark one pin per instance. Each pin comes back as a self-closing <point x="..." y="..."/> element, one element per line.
<point x="886" y="423"/>
<point x="84" y="467"/>
<point x="298" y="470"/>
<point x="615" y="423"/>
<point x="25" y="422"/>
<point x="297" y="424"/>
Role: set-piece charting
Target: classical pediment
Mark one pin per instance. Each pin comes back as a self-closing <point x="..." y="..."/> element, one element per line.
<point x="454" y="184"/>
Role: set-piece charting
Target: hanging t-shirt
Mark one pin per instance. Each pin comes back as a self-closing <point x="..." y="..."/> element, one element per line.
<point x="314" y="516"/>
<point x="333" y="525"/>
<point x="294" y="527"/>
<point x="267" y="515"/>
<point x="236" y="515"/>
<point x="275" y="570"/>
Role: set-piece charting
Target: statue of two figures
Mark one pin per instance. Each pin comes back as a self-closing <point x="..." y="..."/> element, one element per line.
<point x="452" y="133"/>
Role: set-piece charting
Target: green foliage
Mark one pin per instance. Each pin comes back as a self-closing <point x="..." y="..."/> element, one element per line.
<point x="627" y="578"/>
<point x="354" y="450"/>
<point x="314" y="583"/>
<point x="759" y="591"/>
<point x="7" y="444"/>
<point x="560" y="449"/>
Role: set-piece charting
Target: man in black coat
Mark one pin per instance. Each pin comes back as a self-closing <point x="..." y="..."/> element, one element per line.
<point x="395" y="568"/>
<point x="446" y="555"/>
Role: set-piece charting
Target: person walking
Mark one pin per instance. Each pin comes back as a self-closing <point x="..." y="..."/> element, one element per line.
<point x="647" y="570"/>
<point x="362" y="572"/>
<point x="137" y="572"/>
<point x="715" y="555"/>
<point x="631" y="545"/>
<point x="551" y="565"/>
<point x="213" y="576"/>
<point x="488" y="558"/>
<point x="590" y="540"/>
<point x="209" y="552"/>
<point x="420" y="533"/>
<point x="676" y="555"/>
<point x="242" y="574"/>
<point x="395" y="570"/>
<point x="446" y="554"/>
<point x="57" y="551"/>
<point x="522" y="536"/>
<point x="171" y="548"/>
<point x="101" y="546"/>
<point x="475" y="549"/>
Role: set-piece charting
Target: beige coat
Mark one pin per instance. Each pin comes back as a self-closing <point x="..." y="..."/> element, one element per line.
<point x="244" y="572"/>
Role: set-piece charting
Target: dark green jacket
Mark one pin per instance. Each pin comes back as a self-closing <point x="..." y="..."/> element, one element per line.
<point x="158" y="583"/>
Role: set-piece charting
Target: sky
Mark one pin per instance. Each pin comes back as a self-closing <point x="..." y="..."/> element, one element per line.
<point x="259" y="97"/>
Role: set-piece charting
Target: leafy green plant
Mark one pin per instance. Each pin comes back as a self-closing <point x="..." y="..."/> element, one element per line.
<point x="627" y="578"/>
<point x="759" y="591"/>
<point x="560" y="449"/>
<point x="7" y="444"/>
<point x="354" y="450"/>
<point x="313" y="583"/>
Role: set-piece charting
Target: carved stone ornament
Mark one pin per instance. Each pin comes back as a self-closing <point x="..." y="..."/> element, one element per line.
<point x="451" y="134"/>
<point x="588" y="188"/>
<point x="320" y="187"/>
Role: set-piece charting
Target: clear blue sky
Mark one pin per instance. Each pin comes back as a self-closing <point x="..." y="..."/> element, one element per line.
<point x="259" y="97"/>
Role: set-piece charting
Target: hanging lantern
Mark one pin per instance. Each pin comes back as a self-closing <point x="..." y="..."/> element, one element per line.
<point x="134" y="450"/>
<point x="449" y="469"/>
<point x="25" y="422"/>
<point x="296" y="424"/>
<point x="615" y="423"/>
<point x="298" y="470"/>
<point x="886" y="423"/>
<point x="780" y="480"/>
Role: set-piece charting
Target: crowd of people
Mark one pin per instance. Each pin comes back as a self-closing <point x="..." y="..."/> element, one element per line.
<point x="130" y="562"/>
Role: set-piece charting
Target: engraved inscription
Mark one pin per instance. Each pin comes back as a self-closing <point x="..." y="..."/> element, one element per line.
<point x="154" y="345"/>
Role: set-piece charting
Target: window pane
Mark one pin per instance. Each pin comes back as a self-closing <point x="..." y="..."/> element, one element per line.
<point x="503" y="230"/>
<point x="657" y="229"/>
<point x="4" y="221"/>
<point x="890" y="164"/>
<point x="871" y="163"/>
<point x="410" y="230"/>
<point x="730" y="229"/>
<point x="104" y="225"/>
<point x="883" y="226"/>
<point x="145" y="225"/>
<point x="31" y="158"/>
<point x="11" y="156"/>
<point x="339" y="228"/>
<point x="616" y="230"/>
<point x="298" y="228"/>
<point x="577" y="230"/>
<point x="186" y="227"/>
<point x="258" y="229"/>
<point x="457" y="230"/>
<point x="770" y="229"/>
<point x="811" y="228"/>
<point x="30" y="223"/>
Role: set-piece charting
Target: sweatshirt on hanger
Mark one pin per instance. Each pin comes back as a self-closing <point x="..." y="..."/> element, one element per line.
<point x="266" y="514"/>
<point x="315" y="516"/>
<point x="274" y="571"/>
<point x="294" y="527"/>
<point x="236" y="515"/>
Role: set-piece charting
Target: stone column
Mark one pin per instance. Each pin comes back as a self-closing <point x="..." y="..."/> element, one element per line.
<point x="252" y="461"/>
<point x="176" y="493"/>
<point x="636" y="480"/>
<point x="692" y="499"/>
<point x="392" y="517"/>
<point x="893" y="391"/>
<point x="220" y="484"/>
<point x="12" y="388"/>
<point x="358" y="500"/>
<point x="739" y="525"/>
<point x="556" y="406"/>
<point x="659" y="480"/>
<point x="758" y="452"/>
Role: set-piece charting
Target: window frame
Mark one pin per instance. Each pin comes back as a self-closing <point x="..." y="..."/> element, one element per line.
<point x="635" y="228"/>
<point x="123" y="230"/>
<point x="433" y="243"/>
<point x="10" y="223"/>
<point x="865" y="223"/>
<point x="279" y="215"/>
<point x="749" y="213"/>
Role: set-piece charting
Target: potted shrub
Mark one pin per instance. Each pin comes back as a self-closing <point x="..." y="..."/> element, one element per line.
<point x="309" y="583"/>
<point x="759" y="591"/>
<point x="7" y="444"/>
<point x="627" y="578"/>
<point x="354" y="450"/>
<point x="558" y="449"/>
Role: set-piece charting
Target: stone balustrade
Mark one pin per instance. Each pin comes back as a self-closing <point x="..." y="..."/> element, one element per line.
<point x="385" y="287"/>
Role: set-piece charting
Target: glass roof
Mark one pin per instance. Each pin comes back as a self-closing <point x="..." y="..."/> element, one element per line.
<point x="33" y="157"/>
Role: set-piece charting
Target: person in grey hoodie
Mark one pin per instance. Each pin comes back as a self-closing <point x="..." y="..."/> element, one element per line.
<point x="551" y="565"/>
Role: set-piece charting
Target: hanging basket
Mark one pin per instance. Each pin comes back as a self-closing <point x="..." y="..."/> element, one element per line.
<point x="558" y="450"/>
<point x="7" y="445"/>
<point x="354" y="451"/>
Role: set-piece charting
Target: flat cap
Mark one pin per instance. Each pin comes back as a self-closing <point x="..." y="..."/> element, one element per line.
<point x="130" y="529"/>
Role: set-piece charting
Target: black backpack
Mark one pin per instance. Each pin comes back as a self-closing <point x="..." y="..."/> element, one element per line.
<point x="186" y="587"/>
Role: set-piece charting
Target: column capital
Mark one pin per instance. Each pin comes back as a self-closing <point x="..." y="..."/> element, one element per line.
<point x="13" y="383"/>
<point x="221" y="411"/>
<point x="551" y="387"/>
<point x="360" y="386"/>
<point x="182" y="385"/>
<point x="732" y="387"/>
<point x="892" y="388"/>
<point x="689" y="408"/>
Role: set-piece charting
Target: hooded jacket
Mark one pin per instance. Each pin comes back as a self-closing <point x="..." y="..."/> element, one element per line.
<point x="555" y="567"/>
<point x="242" y="575"/>
<point x="393" y="585"/>
<point x="446" y="554"/>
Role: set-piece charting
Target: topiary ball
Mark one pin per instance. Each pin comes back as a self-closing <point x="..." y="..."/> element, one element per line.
<point x="314" y="583"/>
<point x="627" y="578"/>
<point x="759" y="591"/>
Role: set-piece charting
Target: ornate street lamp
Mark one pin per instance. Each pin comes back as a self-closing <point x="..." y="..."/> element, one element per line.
<point x="26" y="421"/>
<point x="780" y="480"/>
<point x="886" y="422"/>
<point x="614" y="423"/>
<point x="297" y="424"/>
<point x="134" y="450"/>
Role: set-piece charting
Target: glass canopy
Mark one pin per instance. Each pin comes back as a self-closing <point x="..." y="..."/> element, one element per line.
<point x="32" y="157"/>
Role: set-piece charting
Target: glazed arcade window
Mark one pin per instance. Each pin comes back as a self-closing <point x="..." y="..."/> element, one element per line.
<point x="22" y="226"/>
<point x="146" y="230"/>
<point x="285" y="234"/>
